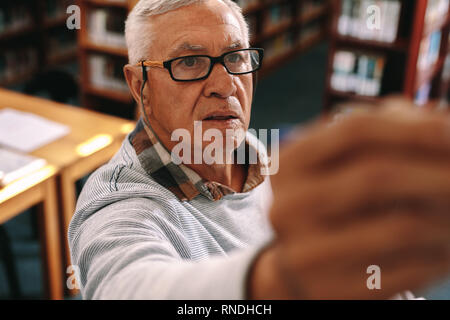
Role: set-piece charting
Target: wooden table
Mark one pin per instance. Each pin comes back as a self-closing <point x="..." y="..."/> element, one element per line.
<point x="94" y="138"/>
<point x="39" y="188"/>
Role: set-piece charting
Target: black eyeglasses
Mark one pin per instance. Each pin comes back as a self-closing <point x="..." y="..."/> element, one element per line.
<point x="199" y="67"/>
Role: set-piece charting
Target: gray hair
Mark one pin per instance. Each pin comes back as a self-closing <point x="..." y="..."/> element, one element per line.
<point x="137" y="21"/>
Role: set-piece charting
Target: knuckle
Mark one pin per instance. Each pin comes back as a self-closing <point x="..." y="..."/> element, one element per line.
<point x="376" y="173"/>
<point x="396" y="103"/>
<point x="429" y="132"/>
<point x="352" y="128"/>
<point x="409" y="227"/>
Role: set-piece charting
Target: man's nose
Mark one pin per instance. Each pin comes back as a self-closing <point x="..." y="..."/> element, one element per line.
<point x="220" y="83"/>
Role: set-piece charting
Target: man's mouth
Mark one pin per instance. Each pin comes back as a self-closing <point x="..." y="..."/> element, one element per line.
<point x="220" y="118"/>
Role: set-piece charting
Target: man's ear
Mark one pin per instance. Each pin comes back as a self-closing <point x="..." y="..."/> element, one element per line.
<point x="133" y="75"/>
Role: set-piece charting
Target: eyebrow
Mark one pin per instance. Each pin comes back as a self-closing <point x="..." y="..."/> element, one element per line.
<point x="199" y="48"/>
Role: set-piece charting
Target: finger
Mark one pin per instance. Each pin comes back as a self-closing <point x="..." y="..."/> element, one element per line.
<point x="409" y="273"/>
<point x="398" y="104"/>
<point x="324" y="145"/>
<point x="369" y="183"/>
<point x="413" y="274"/>
<point x="388" y="234"/>
<point x="338" y="260"/>
<point x="403" y="272"/>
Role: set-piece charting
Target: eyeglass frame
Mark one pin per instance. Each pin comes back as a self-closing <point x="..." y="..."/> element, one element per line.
<point x="213" y="61"/>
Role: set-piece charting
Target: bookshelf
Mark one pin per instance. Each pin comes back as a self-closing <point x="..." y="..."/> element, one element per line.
<point x="33" y="37"/>
<point x="101" y="51"/>
<point x="406" y="54"/>
<point x="285" y="28"/>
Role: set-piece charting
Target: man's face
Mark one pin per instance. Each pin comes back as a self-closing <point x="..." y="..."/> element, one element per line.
<point x="209" y="28"/>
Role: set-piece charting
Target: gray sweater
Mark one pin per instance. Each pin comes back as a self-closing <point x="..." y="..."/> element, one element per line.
<point x="131" y="238"/>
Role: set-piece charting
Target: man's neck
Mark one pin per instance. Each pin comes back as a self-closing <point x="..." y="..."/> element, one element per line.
<point x="230" y="175"/>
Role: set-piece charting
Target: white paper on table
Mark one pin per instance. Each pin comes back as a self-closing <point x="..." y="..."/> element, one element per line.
<point x="26" y="131"/>
<point x="14" y="165"/>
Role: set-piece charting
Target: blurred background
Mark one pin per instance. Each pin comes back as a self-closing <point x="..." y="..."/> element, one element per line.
<point x="319" y="55"/>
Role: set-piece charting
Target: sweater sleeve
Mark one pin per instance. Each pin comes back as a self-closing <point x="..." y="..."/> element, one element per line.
<point x="122" y="253"/>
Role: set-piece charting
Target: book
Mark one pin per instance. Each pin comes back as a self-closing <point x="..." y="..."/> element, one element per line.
<point x="357" y="72"/>
<point x="436" y="10"/>
<point x="106" y="26"/>
<point x="344" y="18"/>
<point x="17" y="61"/>
<point x="14" y="16"/>
<point x="429" y="51"/>
<point x="423" y="94"/>
<point x="56" y="8"/>
<point x="107" y="72"/>
<point x="311" y="6"/>
<point x="15" y="165"/>
<point x="309" y="31"/>
<point x="277" y="14"/>
<point x="375" y="20"/>
<point x="343" y="77"/>
<point x="278" y="45"/>
<point x="390" y="20"/>
<point x="61" y="42"/>
<point x="355" y="18"/>
<point x="363" y="75"/>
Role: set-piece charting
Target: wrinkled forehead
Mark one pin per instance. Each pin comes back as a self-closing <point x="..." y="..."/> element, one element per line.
<point x="207" y="24"/>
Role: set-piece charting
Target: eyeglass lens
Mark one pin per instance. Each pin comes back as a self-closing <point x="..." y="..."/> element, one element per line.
<point x="195" y="67"/>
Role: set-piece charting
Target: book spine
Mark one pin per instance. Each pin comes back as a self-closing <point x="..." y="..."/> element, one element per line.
<point x="345" y="17"/>
<point x="360" y="73"/>
<point x="370" y="19"/>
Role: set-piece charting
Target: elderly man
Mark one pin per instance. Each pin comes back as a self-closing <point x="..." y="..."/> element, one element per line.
<point x="372" y="189"/>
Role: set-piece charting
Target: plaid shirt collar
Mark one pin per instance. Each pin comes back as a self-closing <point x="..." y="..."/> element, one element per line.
<point x="182" y="181"/>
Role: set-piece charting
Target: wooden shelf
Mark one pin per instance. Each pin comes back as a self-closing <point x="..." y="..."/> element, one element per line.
<point x="116" y="51"/>
<point x="108" y="3"/>
<point x="8" y="34"/>
<point x="55" y="21"/>
<point x="36" y="34"/>
<point x="290" y="24"/>
<point x="62" y="57"/>
<point x="122" y="96"/>
<point x="274" y="31"/>
<point x="260" y="5"/>
<point x="353" y="96"/>
<point x="253" y="8"/>
<point x="313" y="14"/>
<point x="18" y="78"/>
<point x="401" y="74"/>
<point x="398" y="45"/>
<point x="276" y="61"/>
<point x="92" y="95"/>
